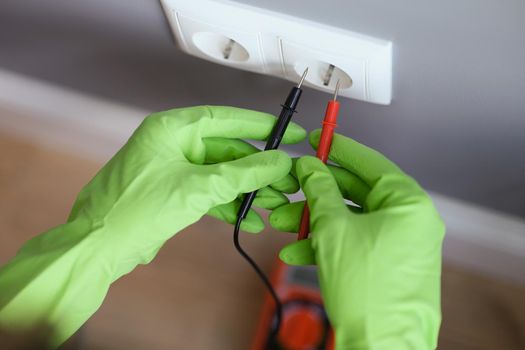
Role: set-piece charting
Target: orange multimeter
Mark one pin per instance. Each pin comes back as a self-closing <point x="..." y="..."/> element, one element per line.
<point x="305" y="325"/>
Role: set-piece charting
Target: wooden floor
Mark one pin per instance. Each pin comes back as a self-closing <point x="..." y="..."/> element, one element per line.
<point x="198" y="293"/>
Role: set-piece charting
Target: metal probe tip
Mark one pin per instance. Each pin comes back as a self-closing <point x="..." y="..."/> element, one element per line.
<point x="302" y="78"/>
<point x="336" y="91"/>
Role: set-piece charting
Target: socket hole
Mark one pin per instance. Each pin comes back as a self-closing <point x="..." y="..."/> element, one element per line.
<point x="323" y="74"/>
<point x="220" y="47"/>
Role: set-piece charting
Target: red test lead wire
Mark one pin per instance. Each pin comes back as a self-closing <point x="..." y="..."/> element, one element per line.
<point x="325" y="142"/>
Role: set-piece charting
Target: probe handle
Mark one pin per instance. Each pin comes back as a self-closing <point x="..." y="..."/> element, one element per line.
<point x="274" y="140"/>
<point x="325" y="142"/>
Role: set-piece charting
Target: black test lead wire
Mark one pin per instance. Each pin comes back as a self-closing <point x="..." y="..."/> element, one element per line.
<point x="273" y="142"/>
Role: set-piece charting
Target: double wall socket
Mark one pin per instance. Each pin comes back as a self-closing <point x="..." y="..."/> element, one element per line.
<point x="266" y="42"/>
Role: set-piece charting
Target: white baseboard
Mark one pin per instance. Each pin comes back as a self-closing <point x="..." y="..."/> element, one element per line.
<point x="483" y="239"/>
<point x="62" y="118"/>
<point x="477" y="238"/>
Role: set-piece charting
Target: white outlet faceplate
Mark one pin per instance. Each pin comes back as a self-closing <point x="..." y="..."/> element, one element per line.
<point x="271" y="43"/>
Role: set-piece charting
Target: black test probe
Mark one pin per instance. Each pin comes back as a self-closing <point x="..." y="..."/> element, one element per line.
<point x="273" y="142"/>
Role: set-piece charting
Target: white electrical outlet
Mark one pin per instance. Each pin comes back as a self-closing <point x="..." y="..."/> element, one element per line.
<point x="266" y="42"/>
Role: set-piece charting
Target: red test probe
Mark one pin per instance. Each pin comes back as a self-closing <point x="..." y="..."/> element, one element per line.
<point x="327" y="133"/>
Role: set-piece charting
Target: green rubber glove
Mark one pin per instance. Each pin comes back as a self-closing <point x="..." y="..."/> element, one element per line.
<point x="379" y="265"/>
<point x="177" y="166"/>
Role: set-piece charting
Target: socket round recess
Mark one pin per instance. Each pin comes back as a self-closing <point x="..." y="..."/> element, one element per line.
<point x="323" y="74"/>
<point x="220" y="47"/>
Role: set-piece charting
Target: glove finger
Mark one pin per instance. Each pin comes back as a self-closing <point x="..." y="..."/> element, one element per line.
<point x="298" y="253"/>
<point x="350" y="185"/>
<point x="253" y="222"/>
<point x="366" y="163"/>
<point x="287" y="184"/>
<point x="321" y="191"/>
<point x="220" y="149"/>
<point x="231" y="122"/>
<point x="287" y="218"/>
<point x="268" y="198"/>
<point x="253" y="172"/>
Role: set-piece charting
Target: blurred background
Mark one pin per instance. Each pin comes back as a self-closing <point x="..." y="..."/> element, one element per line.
<point x="76" y="77"/>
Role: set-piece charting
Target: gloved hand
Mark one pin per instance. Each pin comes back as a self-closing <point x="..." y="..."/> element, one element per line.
<point x="379" y="266"/>
<point x="177" y="166"/>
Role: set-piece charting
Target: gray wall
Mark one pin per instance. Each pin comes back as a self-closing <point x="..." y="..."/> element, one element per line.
<point x="457" y="122"/>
